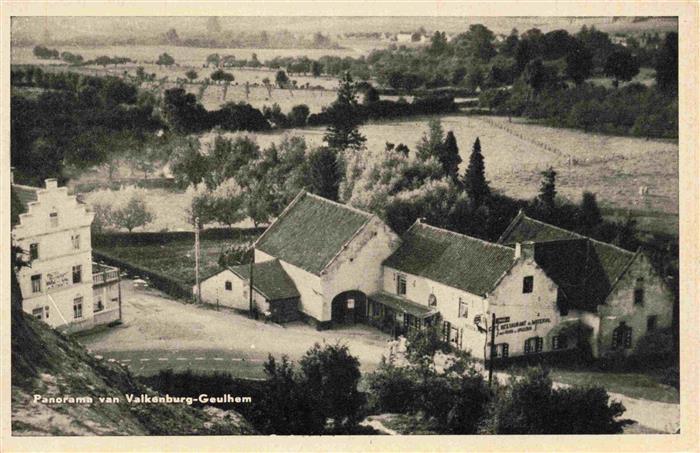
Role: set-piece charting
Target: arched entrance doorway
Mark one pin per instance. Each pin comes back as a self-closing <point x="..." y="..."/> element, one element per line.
<point x="348" y="307"/>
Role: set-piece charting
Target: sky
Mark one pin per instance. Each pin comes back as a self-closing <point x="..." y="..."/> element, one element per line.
<point x="68" y="27"/>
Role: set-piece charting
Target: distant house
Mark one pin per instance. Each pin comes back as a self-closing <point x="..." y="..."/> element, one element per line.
<point x="62" y="286"/>
<point x="548" y="289"/>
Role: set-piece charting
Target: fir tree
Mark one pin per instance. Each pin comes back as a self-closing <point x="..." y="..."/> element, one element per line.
<point x="474" y="180"/>
<point x="590" y="213"/>
<point x="449" y="156"/>
<point x="324" y="173"/>
<point x="548" y="190"/>
<point x="345" y="118"/>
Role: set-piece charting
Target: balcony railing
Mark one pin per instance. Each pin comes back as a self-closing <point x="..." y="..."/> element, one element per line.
<point x="104" y="274"/>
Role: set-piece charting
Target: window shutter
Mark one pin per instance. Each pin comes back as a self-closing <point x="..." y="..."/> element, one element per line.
<point x="505" y="349"/>
<point x="527" y="346"/>
<point x="628" y="337"/>
<point x="540" y="342"/>
<point x="616" y="338"/>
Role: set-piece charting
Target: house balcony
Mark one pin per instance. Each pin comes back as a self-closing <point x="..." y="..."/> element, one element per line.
<point x="102" y="274"/>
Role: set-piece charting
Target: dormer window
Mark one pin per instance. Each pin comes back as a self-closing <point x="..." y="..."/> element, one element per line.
<point x="53" y="217"/>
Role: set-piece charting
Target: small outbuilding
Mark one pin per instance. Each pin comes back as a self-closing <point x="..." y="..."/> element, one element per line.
<point x="275" y="296"/>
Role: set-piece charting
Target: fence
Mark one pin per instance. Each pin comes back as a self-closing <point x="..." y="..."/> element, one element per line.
<point x="164" y="283"/>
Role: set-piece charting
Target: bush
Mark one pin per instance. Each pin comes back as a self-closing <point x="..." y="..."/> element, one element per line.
<point x="392" y="389"/>
<point x="531" y="406"/>
<point x="298" y="115"/>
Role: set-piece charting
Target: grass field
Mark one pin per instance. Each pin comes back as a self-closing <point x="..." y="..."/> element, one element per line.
<point x="176" y="259"/>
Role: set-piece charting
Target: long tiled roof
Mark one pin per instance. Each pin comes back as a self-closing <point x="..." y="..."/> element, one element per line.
<point x="585" y="269"/>
<point x="452" y="259"/>
<point x="269" y="278"/>
<point x="311" y="232"/>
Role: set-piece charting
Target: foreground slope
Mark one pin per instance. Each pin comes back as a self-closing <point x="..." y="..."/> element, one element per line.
<point x="48" y="363"/>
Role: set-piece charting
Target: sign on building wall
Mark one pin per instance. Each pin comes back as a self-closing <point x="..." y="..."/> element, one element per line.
<point x="57" y="279"/>
<point x="520" y="326"/>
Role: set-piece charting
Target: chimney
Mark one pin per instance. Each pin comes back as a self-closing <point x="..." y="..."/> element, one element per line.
<point x="51" y="183"/>
<point x="525" y="250"/>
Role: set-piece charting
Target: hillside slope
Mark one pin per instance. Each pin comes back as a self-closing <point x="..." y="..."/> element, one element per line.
<point x="47" y="363"/>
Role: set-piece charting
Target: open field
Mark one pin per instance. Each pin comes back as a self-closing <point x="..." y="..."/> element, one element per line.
<point x="612" y="167"/>
<point x="176" y="258"/>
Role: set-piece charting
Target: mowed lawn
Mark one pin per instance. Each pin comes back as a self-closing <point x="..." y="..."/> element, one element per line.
<point x="176" y="259"/>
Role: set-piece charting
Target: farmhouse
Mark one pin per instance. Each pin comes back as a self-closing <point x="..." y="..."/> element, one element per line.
<point x="62" y="286"/>
<point x="548" y="289"/>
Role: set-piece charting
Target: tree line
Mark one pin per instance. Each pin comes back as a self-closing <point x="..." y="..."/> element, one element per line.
<point x="320" y="394"/>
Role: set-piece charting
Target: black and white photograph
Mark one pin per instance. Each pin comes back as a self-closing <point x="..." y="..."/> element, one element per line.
<point x="346" y="226"/>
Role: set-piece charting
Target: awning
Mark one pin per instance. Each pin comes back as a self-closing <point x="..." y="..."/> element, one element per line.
<point x="402" y="305"/>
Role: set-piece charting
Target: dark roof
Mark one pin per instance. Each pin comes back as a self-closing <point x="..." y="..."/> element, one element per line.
<point x="585" y="269"/>
<point x="25" y="194"/>
<point x="311" y="232"/>
<point x="402" y="305"/>
<point x="269" y="279"/>
<point x="453" y="259"/>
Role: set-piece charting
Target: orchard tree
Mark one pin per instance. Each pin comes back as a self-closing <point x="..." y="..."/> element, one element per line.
<point x="228" y="202"/>
<point x="432" y="141"/>
<point x="191" y="74"/>
<point x="474" y="178"/>
<point x="220" y="74"/>
<point x="165" y="60"/>
<point x="214" y="59"/>
<point x="342" y="132"/>
<point x="621" y="65"/>
<point x="133" y="213"/>
<point x="324" y="173"/>
<point x="281" y="79"/>
<point x="187" y="164"/>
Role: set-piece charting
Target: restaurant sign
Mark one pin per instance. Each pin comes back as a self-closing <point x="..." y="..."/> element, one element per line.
<point x="58" y="279"/>
<point x="521" y="326"/>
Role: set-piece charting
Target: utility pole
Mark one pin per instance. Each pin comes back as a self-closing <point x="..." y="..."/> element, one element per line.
<point x="196" y="259"/>
<point x="492" y="353"/>
<point x="250" y="292"/>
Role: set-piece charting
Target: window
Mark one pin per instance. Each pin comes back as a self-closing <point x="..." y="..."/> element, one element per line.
<point x="34" y="251"/>
<point x="36" y="283"/>
<point x="432" y="300"/>
<point x="75" y="239"/>
<point x="78" y="307"/>
<point x="622" y="337"/>
<point x="46" y="312"/>
<point x="502" y="350"/>
<point x="38" y="313"/>
<point x="401" y="285"/>
<point x="528" y="283"/>
<point x="53" y="216"/>
<point x="228" y="286"/>
<point x="533" y="345"/>
<point x="456" y="337"/>
<point x="99" y="306"/>
<point x="463" y="309"/>
<point x="559" y="342"/>
<point x="77" y="274"/>
<point x="639" y="296"/>
<point x="651" y="323"/>
<point x="446" y="327"/>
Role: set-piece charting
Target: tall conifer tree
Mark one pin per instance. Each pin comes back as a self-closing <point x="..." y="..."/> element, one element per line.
<point x="474" y="179"/>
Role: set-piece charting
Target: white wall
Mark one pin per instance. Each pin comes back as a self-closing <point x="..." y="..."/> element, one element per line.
<point x="56" y="255"/>
<point x="359" y="265"/>
<point x="214" y="290"/>
<point x="533" y="314"/>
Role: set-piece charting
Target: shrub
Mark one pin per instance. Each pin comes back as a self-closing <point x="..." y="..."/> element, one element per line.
<point x="392" y="389"/>
<point x="531" y="406"/>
